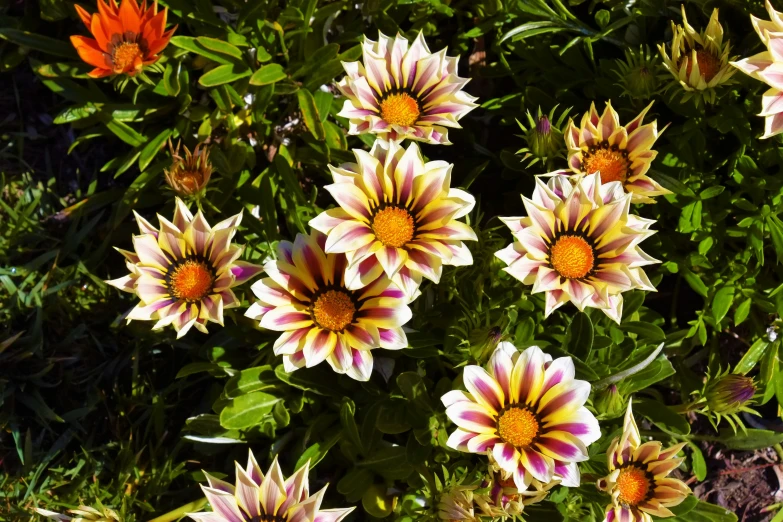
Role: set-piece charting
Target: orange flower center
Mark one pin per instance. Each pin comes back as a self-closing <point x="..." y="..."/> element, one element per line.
<point x="633" y="485"/>
<point x="572" y="257"/>
<point x="518" y="426"/>
<point x="400" y="109"/>
<point x="611" y="162"/>
<point x="334" y="310"/>
<point x="191" y="280"/>
<point x="124" y="54"/>
<point x="393" y="226"/>
<point x="709" y="64"/>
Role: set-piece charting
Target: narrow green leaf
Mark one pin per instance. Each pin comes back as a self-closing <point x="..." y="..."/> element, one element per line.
<point x="578" y="340"/>
<point x="722" y="302"/>
<point x="220" y="46"/>
<point x="224" y="74"/>
<point x="152" y="148"/>
<point x="752" y="356"/>
<point x="39" y="42"/>
<point x="310" y="114"/>
<point x="125" y="132"/>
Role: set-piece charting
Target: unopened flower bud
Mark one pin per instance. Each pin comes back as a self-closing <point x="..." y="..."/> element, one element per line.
<point x="730" y="393"/>
<point x="609" y="402"/>
<point x="188" y="175"/>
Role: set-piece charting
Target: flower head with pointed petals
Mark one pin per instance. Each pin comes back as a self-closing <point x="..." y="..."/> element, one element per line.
<point x="767" y="66"/>
<point x="398" y="215"/>
<point x="305" y="297"/>
<point x="638" y="478"/>
<point x="257" y="497"/>
<point x="184" y="271"/>
<point x="125" y="37"/>
<point x="528" y="412"/>
<point x="401" y="90"/>
<point x="619" y="152"/>
<point x="579" y="243"/>
<point x="699" y="60"/>
<point x="82" y="514"/>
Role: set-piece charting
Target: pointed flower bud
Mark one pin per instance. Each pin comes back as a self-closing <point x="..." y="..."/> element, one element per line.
<point x="638" y="74"/>
<point x="730" y="393"/>
<point x="609" y="403"/>
<point x="190" y="174"/>
<point x="544" y="137"/>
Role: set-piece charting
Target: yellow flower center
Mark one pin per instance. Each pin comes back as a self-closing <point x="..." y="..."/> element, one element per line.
<point x="191" y="280"/>
<point x="400" y="109"/>
<point x="572" y="257"/>
<point x="709" y="64"/>
<point x="393" y="226"/>
<point x="633" y="485"/>
<point x="611" y="163"/>
<point x="334" y="310"/>
<point x="124" y="54"/>
<point x="518" y="426"/>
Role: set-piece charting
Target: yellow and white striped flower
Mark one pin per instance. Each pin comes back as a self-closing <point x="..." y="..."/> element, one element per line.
<point x="528" y="411"/>
<point x="699" y="60"/>
<point x="305" y="297"/>
<point x="767" y="67"/>
<point x="398" y="215"/>
<point x="403" y="91"/>
<point x="266" y="498"/>
<point x="619" y="152"/>
<point x="579" y="243"/>
<point x="184" y="271"/>
<point x="638" y="478"/>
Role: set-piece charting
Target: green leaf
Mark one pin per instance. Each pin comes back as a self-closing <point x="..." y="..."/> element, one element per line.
<point x="414" y="389"/>
<point x="742" y="311"/>
<point x="39" y="43"/>
<point x="251" y="380"/>
<point x="776" y="233"/>
<point x="316" y="452"/>
<point x="645" y="330"/>
<point x="662" y="416"/>
<point x="722" y="302"/>
<point x="348" y="423"/>
<point x="355" y="483"/>
<point x="224" y="74"/>
<point x="247" y="411"/>
<point x="152" y="148"/>
<point x="578" y="340"/>
<point x="752" y="356"/>
<point x="220" y="46"/>
<point x="389" y="462"/>
<point x="171" y="77"/>
<point x="694" y="281"/>
<point x="376" y="503"/>
<point x="124" y="131"/>
<point x="270" y="73"/>
<point x="314" y="380"/>
<point x="711" y="192"/>
<point x="694" y="510"/>
<point x="698" y="463"/>
<point x="317" y="60"/>
<point x="194" y="45"/>
<point x="752" y="439"/>
<point x="523" y="31"/>
<point x="310" y="114"/>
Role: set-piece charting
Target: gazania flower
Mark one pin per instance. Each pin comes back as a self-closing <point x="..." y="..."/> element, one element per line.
<point x="579" y="243"/>
<point x="766" y="67"/>
<point x="188" y="175"/>
<point x="125" y="38"/>
<point x="503" y="500"/>
<point x="528" y="411"/>
<point x="725" y="396"/>
<point x="699" y="60"/>
<point x="306" y="298"/>
<point x="184" y="271"/>
<point x="403" y="92"/>
<point x="397" y="215"/>
<point x="456" y="505"/>
<point x="266" y="498"/>
<point x="619" y="153"/>
<point x="544" y="137"/>
<point x="638" y="477"/>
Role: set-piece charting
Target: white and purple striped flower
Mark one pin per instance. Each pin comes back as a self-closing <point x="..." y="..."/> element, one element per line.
<point x="397" y="214"/>
<point x="528" y="412"/>
<point x="400" y="91"/>
<point x="579" y="243"/>
<point x="266" y="498"/>
<point x="306" y="298"/>
<point x="183" y="272"/>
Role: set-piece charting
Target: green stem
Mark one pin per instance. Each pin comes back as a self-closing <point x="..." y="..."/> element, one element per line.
<point x="181" y="511"/>
<point x="779" y="450"/>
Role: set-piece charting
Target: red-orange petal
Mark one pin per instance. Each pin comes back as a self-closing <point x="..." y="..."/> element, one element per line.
<point x="129" y="17"/>
<point x="97" y="30"/>
<point x="83" y="14"/>
<point x="89" y="51"/>
<point x="155" y="28"/>
<point x="99" y="73"/>
<point x="109" y="19"/>
<point x="160" y="44"/>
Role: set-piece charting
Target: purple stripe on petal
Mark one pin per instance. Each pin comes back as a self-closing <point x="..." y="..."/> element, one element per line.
<point x="561" y="447"/>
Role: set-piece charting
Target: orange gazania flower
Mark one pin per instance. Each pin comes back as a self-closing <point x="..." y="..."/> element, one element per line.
<point x="126" y="38"/>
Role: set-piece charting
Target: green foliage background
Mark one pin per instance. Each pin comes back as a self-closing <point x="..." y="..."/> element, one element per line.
<point x="97" y="411"/>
